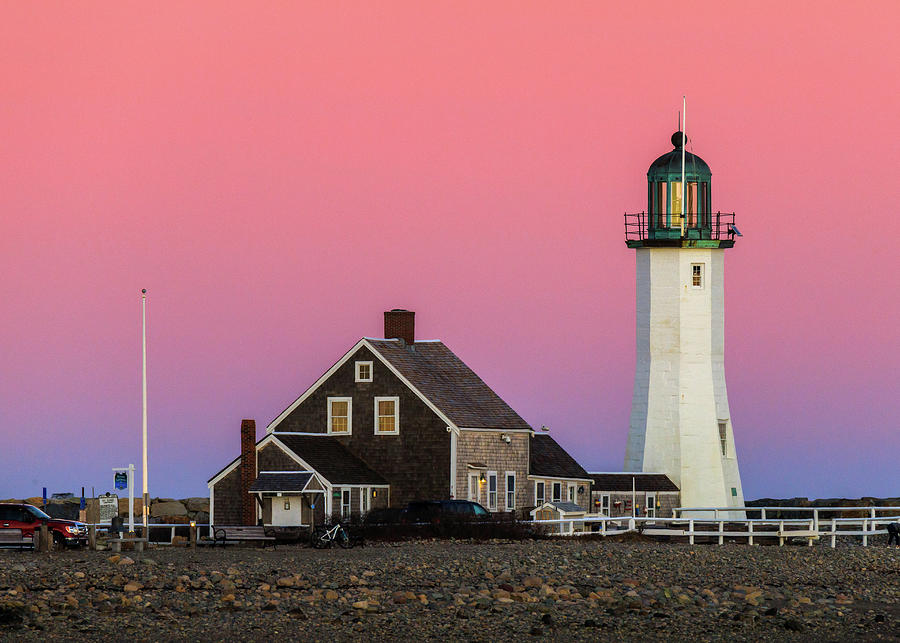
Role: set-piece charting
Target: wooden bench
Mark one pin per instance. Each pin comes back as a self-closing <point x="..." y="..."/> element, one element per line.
<point x="240" y="534"/>
<point x="116" y="543"/>
<point x="13" y="537"/>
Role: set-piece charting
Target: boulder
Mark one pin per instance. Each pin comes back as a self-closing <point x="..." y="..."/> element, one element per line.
<point x="196" y="504"/>
<point x="170" y="508"/>
<point x="201" y="518"/>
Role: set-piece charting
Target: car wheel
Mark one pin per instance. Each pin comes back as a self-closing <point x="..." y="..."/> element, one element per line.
<point x="59" y="542"/>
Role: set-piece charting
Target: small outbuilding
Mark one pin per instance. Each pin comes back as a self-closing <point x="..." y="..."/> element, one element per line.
<point x="560" y="511"/>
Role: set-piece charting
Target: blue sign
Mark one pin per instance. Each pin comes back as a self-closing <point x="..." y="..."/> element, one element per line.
<point x="121" y="480"/>
<point x="45" y="496"/>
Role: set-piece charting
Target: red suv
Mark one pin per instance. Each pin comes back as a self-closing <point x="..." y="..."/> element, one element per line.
<point x="28" y="518"/>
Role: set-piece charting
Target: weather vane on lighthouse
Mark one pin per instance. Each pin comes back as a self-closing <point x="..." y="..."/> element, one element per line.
<point x="680" y="419"/>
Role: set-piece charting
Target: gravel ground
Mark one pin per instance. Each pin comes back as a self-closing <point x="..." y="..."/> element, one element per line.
<point x="531" y="590"/>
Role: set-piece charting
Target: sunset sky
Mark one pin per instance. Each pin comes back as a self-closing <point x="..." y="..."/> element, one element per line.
<point x="277" y="174"/>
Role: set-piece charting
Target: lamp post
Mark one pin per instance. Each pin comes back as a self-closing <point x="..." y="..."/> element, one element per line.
<point x="145" y="509"/>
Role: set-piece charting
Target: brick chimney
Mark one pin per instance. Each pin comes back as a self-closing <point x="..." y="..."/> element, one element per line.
<point x="400" y="324"/>
<point x="248" y="471"/>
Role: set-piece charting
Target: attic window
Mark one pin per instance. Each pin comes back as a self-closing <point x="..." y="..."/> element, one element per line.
<point x="363" y="371"/>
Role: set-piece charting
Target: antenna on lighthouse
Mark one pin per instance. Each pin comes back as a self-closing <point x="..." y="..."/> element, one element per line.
<point x="683" y="148"/>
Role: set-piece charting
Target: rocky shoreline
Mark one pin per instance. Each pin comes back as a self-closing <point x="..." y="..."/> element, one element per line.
<point x="576" y="589"/>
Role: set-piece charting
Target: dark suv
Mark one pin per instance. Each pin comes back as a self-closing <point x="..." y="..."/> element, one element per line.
<point x="28" y="518"/>
<point x="436" y="511"/>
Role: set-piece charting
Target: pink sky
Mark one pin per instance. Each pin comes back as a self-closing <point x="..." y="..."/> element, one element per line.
<point x="278" y="174"/>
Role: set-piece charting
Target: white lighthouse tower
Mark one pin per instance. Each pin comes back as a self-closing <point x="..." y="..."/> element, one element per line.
<point x="680" y="420"/>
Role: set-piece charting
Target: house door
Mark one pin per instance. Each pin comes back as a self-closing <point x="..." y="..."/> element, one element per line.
<point x="473" y="487"/>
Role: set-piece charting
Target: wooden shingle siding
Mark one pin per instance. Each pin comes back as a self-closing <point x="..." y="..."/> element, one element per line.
<point x="416" y="463"/>
<point x="273" y="458"/>
<point x="227" y="498"/>
<point x="486" y="447"/>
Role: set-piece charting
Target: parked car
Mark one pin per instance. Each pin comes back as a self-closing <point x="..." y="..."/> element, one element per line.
<point x="28" y="518"/>
<point x="436" y="511"/>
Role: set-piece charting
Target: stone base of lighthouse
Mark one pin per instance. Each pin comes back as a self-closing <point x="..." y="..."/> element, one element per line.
<point x="680" y="420"/>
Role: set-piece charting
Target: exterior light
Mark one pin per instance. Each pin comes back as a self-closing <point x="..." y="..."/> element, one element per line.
<point x="581" y="489"/>
<point x="193" y="524"/>
<point x="374" y="493"/>
<point x="481" y="478"/>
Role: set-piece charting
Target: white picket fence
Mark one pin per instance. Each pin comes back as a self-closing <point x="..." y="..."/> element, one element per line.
<point x="721" y="526"/>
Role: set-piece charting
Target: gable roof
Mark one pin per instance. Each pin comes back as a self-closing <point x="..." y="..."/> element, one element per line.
<point x="567" y="507"/>
<point x="621" y="481"/>
<point x="448" y="383"/>
<point x="281" y="481"/>
<point x="551" y="460"/>
<point x="330" y="459"/>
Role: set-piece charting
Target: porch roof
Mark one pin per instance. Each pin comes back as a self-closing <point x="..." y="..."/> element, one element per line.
<point x="293" y="482"/>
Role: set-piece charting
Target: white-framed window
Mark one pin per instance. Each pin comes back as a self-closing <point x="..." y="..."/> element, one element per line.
<point x="604" y="504"/>
<point x="697" y="275"/>
<point x="540" y="493"/>
<point x="557" y="492"/>
<point x="572" y="495"/>
<point x="723" y="438"/>
<point x="492" y="490"/>
<point x="364" y="500"/>
<point x="387" y="415"/>
<point x="510" y="490"/>
<point x="363" y="371"/>
<point x="345" y="503"/>
<point x="651" y="505"/>
<point x="340" y="415"/>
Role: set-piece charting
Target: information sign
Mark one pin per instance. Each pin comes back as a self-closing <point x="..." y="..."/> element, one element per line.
<point x="109" y="508"/>
<point x="121" y="480"/>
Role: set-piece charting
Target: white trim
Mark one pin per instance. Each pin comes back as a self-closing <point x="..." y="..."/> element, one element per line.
<point x="338" y="364"/>
<point x="487" y="483"/>
<point x="553" y="490"/>
<point x="360" y="486"/>
<point x="472" y="428"/>
<point x="506" y="476"/>
<point x="299" y="433"/>
<point x="388" y="398"/>
<point x="573" y="488"/>
<point x="212" y="511"/>
<point x="544" y="498"/>
<point x="702" y="276"/>
<point x="349" y="504"/>
<point x="349" y="401"/>
<point x="453" y="451"/>
<point x="537" y="477"/>
<point x="476" y="497"/>
<point x="224" y="472"/>
<point x="316" y="384"/>
<point x="292" y="472"/>
<point x="356" y="367"/>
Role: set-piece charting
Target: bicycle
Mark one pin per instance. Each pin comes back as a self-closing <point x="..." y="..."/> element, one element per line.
<point x="324" y="537"/>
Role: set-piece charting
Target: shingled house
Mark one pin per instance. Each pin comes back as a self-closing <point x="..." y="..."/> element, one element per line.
<point x="393" y="420"/>
<point x="652" y="495"/>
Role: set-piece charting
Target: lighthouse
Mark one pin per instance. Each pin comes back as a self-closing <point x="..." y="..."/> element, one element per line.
<point x="680" y="420"/>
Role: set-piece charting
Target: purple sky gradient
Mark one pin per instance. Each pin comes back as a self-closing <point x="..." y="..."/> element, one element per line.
<point x="277" y="176"/>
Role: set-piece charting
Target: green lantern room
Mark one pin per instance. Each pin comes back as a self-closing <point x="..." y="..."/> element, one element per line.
<point x="667" y="198"/>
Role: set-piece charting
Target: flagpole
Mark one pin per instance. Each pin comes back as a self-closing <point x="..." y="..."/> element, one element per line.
<point x="683" y="147"/>
<point x="145" y="509"/>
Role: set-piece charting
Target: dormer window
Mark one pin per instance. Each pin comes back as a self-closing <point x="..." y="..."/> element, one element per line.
<point x="363" y="371"/>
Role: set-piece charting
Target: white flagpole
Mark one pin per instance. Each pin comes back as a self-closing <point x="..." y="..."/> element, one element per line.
<point x="145" y="510"/>
<point x="683" y="147"/>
